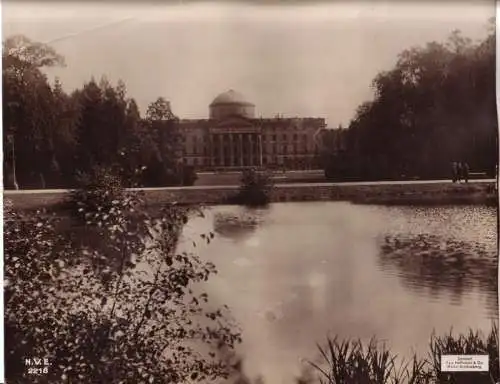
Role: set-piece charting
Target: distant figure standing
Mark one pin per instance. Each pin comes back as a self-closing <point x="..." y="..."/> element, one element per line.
<point x="460" y="171"/>
<point x="465" y="172"/>
<point x="496" y="178"/>
<point x="454" y="171"/>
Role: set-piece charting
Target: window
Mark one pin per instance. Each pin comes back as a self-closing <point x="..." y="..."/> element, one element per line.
<point x="295" y="137"/>
<point x="274" y="137"/>
<point x="195" y="144"/>
<point x="195" y="161"/>
<point x="284" y="136"/>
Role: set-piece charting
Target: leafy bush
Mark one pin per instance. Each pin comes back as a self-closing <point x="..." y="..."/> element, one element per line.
<point x="189" y="176"/>
<point x="106" y="298"/>
<point x="97" y="192"/>
<point x="256" y="188"/>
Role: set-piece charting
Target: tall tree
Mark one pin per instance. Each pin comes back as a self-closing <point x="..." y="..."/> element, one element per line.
<point x="165" y="141"/>
<point x="30" y="118"/>
<point x="107" y="126"/>
<point x="50" y="136"/>
<point x="437" y="105"/>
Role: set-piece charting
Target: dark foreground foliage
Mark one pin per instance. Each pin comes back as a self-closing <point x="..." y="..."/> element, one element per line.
<point x="104" y="296"/>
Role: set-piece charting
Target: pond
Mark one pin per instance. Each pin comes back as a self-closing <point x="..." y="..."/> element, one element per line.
<point x="296" y="272"/>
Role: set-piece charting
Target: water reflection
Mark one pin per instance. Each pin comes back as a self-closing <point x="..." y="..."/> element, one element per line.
<point x="238" y="225"/>
<point x="298" y="271"/>
<point x="434" y="265"/>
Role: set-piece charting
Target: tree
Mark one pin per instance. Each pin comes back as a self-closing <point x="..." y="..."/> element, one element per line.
<point x="30" y="112"/>
<point x="134" y="150"/>
<point x="50" y="136"/>
<point x="110" y="132"/>
<point x="65" y="140"/>
<point x="165" y="140"/>
<point x="255" y="190"/>
<point x="437" y="105"/>
<point x="102" y="120"/>
<point x="160" y="110"/>
<point x="21" y="53"/>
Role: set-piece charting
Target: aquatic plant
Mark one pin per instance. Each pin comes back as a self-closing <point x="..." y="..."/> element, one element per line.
<point x="470" y="343"/>
<point x="351" y="361"/>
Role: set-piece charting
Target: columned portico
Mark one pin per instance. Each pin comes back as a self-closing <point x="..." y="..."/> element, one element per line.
<point x="250" y="147"/>
<point x="233" y="149"/>
<point x="221" y="149"/>
<point x="240" y="149"/>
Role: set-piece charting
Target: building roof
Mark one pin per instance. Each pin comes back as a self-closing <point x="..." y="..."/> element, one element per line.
<point x="230" y="97"/>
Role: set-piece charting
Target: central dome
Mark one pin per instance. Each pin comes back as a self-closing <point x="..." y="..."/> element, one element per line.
<point x="230" y="97"/>
<point x="231" y="103"/>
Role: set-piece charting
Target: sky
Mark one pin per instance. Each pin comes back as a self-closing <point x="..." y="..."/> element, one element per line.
<point x="307" y="60"/>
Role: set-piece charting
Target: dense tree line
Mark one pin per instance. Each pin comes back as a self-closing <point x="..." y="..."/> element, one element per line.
<point x="52" y="138"/>
<point x="436" y="106"/>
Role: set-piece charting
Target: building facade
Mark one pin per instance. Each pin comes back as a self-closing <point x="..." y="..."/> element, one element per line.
<point x="233" y="138"/>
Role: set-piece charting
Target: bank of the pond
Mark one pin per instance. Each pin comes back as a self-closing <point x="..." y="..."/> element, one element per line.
<point x="386" y="193"/>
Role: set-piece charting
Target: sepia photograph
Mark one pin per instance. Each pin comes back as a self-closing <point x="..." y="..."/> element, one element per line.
<point x="250" y="192"/>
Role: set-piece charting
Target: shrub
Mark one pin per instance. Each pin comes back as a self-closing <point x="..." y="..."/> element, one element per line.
<point x="189" y="176"/>
<point x="142" y="318"/>
<point x="256" y="188"/>
<point x="96" y="194"/>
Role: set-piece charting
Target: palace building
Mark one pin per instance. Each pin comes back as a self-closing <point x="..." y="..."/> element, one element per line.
<point x="233" y="138"/>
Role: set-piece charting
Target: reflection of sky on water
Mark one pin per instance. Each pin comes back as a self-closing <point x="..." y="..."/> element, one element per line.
<point x="298" y="271"/>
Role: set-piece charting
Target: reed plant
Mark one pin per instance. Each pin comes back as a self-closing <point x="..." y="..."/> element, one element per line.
<point x="354" y="362"/>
